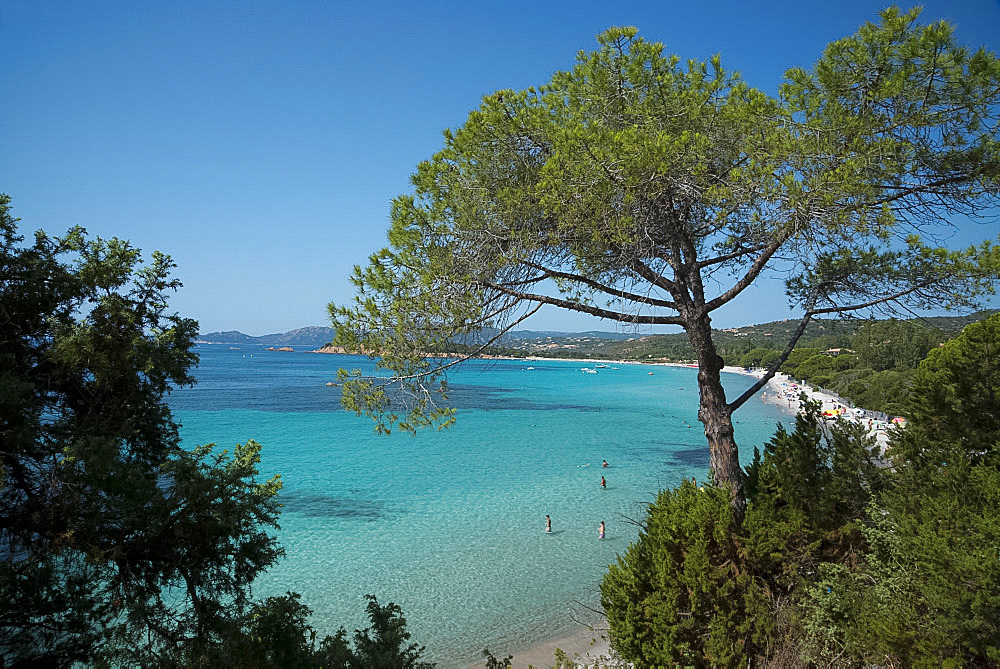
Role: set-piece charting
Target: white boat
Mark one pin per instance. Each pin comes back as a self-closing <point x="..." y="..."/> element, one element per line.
<point x="588" y="370"/>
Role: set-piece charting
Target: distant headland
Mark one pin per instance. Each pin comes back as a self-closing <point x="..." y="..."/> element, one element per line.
<point x="314" y="336"/>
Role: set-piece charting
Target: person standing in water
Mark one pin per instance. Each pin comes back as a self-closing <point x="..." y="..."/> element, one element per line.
<point x="548" y="524"/>
<point x="600" y="530"/>
<point x="604" y="463"/>
<point x="604" y="484"/>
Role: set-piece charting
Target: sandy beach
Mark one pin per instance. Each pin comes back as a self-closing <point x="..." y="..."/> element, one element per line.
<point x="783" y="391"/>
<point x="586" y="647"/>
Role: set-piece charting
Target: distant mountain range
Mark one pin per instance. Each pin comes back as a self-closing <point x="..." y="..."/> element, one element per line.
<point x="614" y="344"/>
<point x="314" y="336"/>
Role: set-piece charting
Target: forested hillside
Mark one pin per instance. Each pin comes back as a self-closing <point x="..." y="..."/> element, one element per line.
<point x="733" y="343"/>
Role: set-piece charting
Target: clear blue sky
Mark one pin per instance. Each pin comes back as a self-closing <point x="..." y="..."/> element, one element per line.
<point x="259" y="143"/>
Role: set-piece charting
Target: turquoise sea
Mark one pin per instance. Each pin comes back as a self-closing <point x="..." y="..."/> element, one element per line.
<point x="449" y="524"/>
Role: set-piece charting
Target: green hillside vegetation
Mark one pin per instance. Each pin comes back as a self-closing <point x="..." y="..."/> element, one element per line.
<point x="871" y="363"/>
<point x="874" y="367"/>
<point x="733" y="343"/>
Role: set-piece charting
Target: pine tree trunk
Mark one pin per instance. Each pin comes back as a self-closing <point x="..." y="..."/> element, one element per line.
<point x="715" y="414"/>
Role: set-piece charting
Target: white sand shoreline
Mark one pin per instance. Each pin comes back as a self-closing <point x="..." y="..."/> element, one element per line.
<point x="782" y="391"/>
<point x="586" y="646"/>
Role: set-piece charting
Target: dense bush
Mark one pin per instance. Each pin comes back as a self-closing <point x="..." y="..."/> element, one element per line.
<point x="697" y="586"/>
<point x="681" y="593"/>
<point x="276" y="633"/>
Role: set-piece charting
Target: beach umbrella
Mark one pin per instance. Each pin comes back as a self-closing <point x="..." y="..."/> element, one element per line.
<point x="898" y="419"/>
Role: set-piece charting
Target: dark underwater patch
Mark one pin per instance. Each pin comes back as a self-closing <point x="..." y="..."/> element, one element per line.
<point x="692" y="457"/>
<point x="322" y="398"/>
<point x="654" y="451"/>
<point x="320" y="505"/>
<point x="495" y="397"/>
<point x="272" y="399"/>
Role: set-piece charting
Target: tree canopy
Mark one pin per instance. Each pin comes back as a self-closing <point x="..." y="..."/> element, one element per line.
<point x="118" y="546"/>
<point x="645" y="189"/>
<point x="957" y="390"/>
<point x="116" y="543"/>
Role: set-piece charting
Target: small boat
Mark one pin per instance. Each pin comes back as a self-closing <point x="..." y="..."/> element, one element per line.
<point x="650" y="373"/>
<point x="601" y="366"/>
<point x="588" y="370"/>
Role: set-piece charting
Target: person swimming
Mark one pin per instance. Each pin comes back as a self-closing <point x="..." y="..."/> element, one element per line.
<point x="604" y="463"/>
<point x="600" y="530"/>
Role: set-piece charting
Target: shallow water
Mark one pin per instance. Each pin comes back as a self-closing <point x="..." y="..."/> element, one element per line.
<point x="449" y="524"/>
